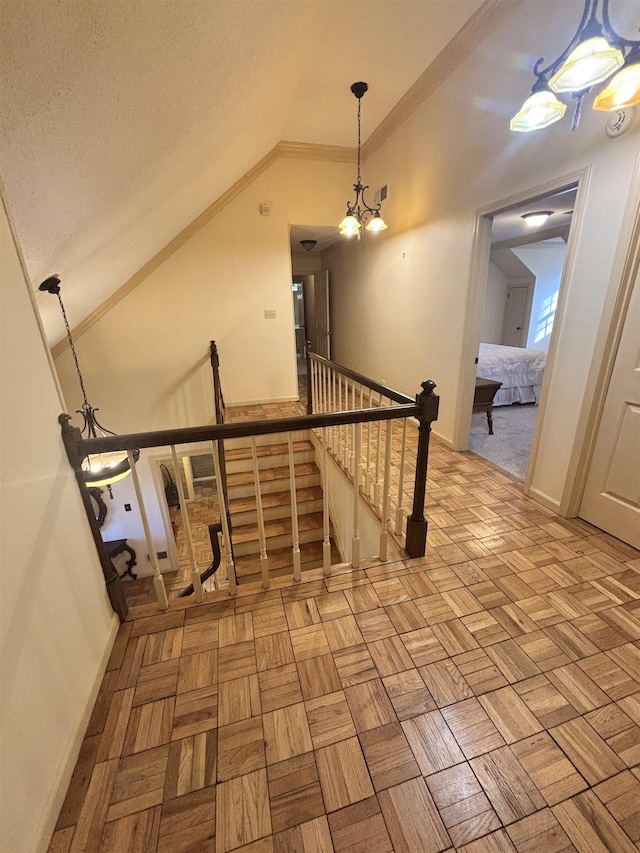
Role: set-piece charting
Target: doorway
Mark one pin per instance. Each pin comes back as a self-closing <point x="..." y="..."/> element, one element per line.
<point x="524" y="273"/>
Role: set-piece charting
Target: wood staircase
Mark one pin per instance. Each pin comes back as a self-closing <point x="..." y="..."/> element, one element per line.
<point x="273" y="465"/>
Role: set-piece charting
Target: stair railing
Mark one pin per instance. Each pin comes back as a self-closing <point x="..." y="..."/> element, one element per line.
<point x="369" y="461"/>
<point x="337" y="395"/>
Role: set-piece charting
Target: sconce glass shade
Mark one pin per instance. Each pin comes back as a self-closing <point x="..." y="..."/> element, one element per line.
<point x="623" y="90"/>
<point x="591" y="62"/>
<point x="350" y="226"/>
<point x="376" y="223"/>
<point x="539" y="110"/>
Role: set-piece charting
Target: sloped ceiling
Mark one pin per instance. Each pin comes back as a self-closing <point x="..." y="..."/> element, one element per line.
<point x="122" y="120"/>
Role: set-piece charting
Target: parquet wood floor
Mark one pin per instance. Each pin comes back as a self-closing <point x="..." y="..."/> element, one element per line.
<point x="483" y="698"/>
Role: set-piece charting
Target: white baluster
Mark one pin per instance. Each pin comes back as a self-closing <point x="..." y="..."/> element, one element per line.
<point x="158" y="580"/>
<point x="347" y="460"/>
<point x="341" y="427"/>
<point x="188" y="476"/>
<point x="195" y="574"/>
<point x="377" y="486"/>
<point x="386" y="501"/>
<point x="231" y="569"/>
<point x="399" y="510"/>
<point x="326" y="543"/>
<point x="368" y="478"/>
<point x="355" y="544"/>
<point x="334" y="436"/>
<point x="297" y="568"/>
<point x="264" y="561"/>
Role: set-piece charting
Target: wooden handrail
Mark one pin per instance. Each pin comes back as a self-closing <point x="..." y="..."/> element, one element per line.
<point x="390" y="393"/>
<point x="188" y="435"/>
<point x="218" y="397"/>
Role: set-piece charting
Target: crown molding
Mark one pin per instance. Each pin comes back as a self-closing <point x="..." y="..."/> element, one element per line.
<point x="310" y="151"/>
<point x="285" y="150"/>
<point x="464" y="42"/>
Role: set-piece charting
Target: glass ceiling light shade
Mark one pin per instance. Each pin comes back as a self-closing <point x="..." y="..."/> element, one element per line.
<point x="539" y="110"/>
<point x="359" y="213"/>
<point x="623" y="90"/>
<point x="591" y="62"/>
<point x="99" y="469"/>
<point x="595" y="52"/>
<point x="535" y="220"/>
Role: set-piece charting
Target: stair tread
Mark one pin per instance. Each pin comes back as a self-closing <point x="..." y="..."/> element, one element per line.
<point x="277" y="527"/>
<point x="274" y="499"/>
<point x="236" y="453"/>
<point x="243" y="478"/>
<point x="282" y="559"/>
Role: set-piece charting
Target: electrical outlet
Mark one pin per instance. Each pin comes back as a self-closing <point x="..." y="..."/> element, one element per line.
<point x="269" y="314"/>
<point x="127" y="507"/>
<point x="162" y="555"/>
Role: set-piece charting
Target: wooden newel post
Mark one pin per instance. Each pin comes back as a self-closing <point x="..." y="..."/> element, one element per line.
<point x="416" y="523"/>
<point x="307" y="353"/>
<point x="71" y="436"/>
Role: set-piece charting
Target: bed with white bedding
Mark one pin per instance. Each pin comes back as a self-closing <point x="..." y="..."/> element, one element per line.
<point x="520" y="371"/>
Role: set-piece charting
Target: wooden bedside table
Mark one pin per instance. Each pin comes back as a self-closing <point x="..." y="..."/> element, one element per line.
<point x="483" y="398"/>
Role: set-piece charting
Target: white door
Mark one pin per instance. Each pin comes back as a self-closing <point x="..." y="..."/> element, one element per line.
<point x="611" y="498"/>
<point x="323" y="324"/>
<point x="514" y="332"/>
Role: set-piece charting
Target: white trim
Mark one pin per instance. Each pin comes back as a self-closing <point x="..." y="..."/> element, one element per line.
<point x="59" y="788"/>
<point x="476" y="295"/>
<point x="544" y="499"/>
<point x="606" y="347"/>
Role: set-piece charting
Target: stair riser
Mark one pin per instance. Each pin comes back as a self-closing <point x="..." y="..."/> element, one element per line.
<point x="263" y="440"/>
<point x="242" y="549"/>
<point x="239" y="519"/>
<point x="246" y="490"/>
<point x="265" y="462"/>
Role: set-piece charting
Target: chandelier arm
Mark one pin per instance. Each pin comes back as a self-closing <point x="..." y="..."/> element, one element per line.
<point x="588" y="14"/>
<point x="366" y="206"/>
<point x="619" y="40"/>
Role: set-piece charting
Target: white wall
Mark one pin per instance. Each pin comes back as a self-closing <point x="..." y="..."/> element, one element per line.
<point x="400" y="300"/>
<point x="146" y="361"/>
<point x="545" y="260"/>
<point x="56" y="622"/>
<point x="494" y="304"/>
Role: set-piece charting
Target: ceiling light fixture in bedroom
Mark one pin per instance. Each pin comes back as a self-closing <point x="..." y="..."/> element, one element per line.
<point x="357" y="215"/>
<point x="99" y="469"/>
<point x="594" y="53"/>
<point x="535" y="220"/>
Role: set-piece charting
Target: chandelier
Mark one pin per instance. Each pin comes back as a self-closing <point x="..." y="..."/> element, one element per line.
<point x="594" y="53"/>
<point x="360" y="213"/>
<point x="98" y="469"/>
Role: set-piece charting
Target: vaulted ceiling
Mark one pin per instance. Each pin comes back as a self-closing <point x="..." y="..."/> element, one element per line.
<point x="122" y="120"/>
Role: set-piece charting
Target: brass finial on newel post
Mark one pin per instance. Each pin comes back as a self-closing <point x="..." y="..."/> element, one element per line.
<point x="428" y="402"/>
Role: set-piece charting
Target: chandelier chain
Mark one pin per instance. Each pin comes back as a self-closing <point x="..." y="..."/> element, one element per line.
<point x="73" y="350"/>
<point x="359" y="106"/>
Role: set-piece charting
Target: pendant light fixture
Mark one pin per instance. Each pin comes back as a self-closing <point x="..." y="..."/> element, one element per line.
<point x="359" y="213"/>
<point x="594" y="53"/>
<point x="98" y="469"/>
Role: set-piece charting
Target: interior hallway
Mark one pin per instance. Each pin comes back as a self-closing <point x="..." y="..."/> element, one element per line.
<point x="484" y="698"/>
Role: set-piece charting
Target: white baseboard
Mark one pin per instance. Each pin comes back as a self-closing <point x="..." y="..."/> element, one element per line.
<point x="544" y="499"/>
<point x="59" y="788"/>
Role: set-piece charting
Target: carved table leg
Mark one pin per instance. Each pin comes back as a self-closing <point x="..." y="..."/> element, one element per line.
<point x="130" y="563"/>
<point x="490" y="420"/>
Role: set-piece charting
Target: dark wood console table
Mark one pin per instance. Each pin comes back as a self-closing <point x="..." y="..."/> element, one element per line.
<point x="483" y="398"/>
<point x="119" y="546"/>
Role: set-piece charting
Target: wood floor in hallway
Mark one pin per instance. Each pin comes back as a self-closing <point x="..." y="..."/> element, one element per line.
<point x="485" y="698"/>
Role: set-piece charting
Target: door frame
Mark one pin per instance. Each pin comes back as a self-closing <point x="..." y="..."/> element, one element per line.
<point x="481" y="248"/>
<point x="623" y="271"/>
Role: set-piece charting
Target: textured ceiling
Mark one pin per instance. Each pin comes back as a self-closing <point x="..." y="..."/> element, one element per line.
<point x="122" y="120"/>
